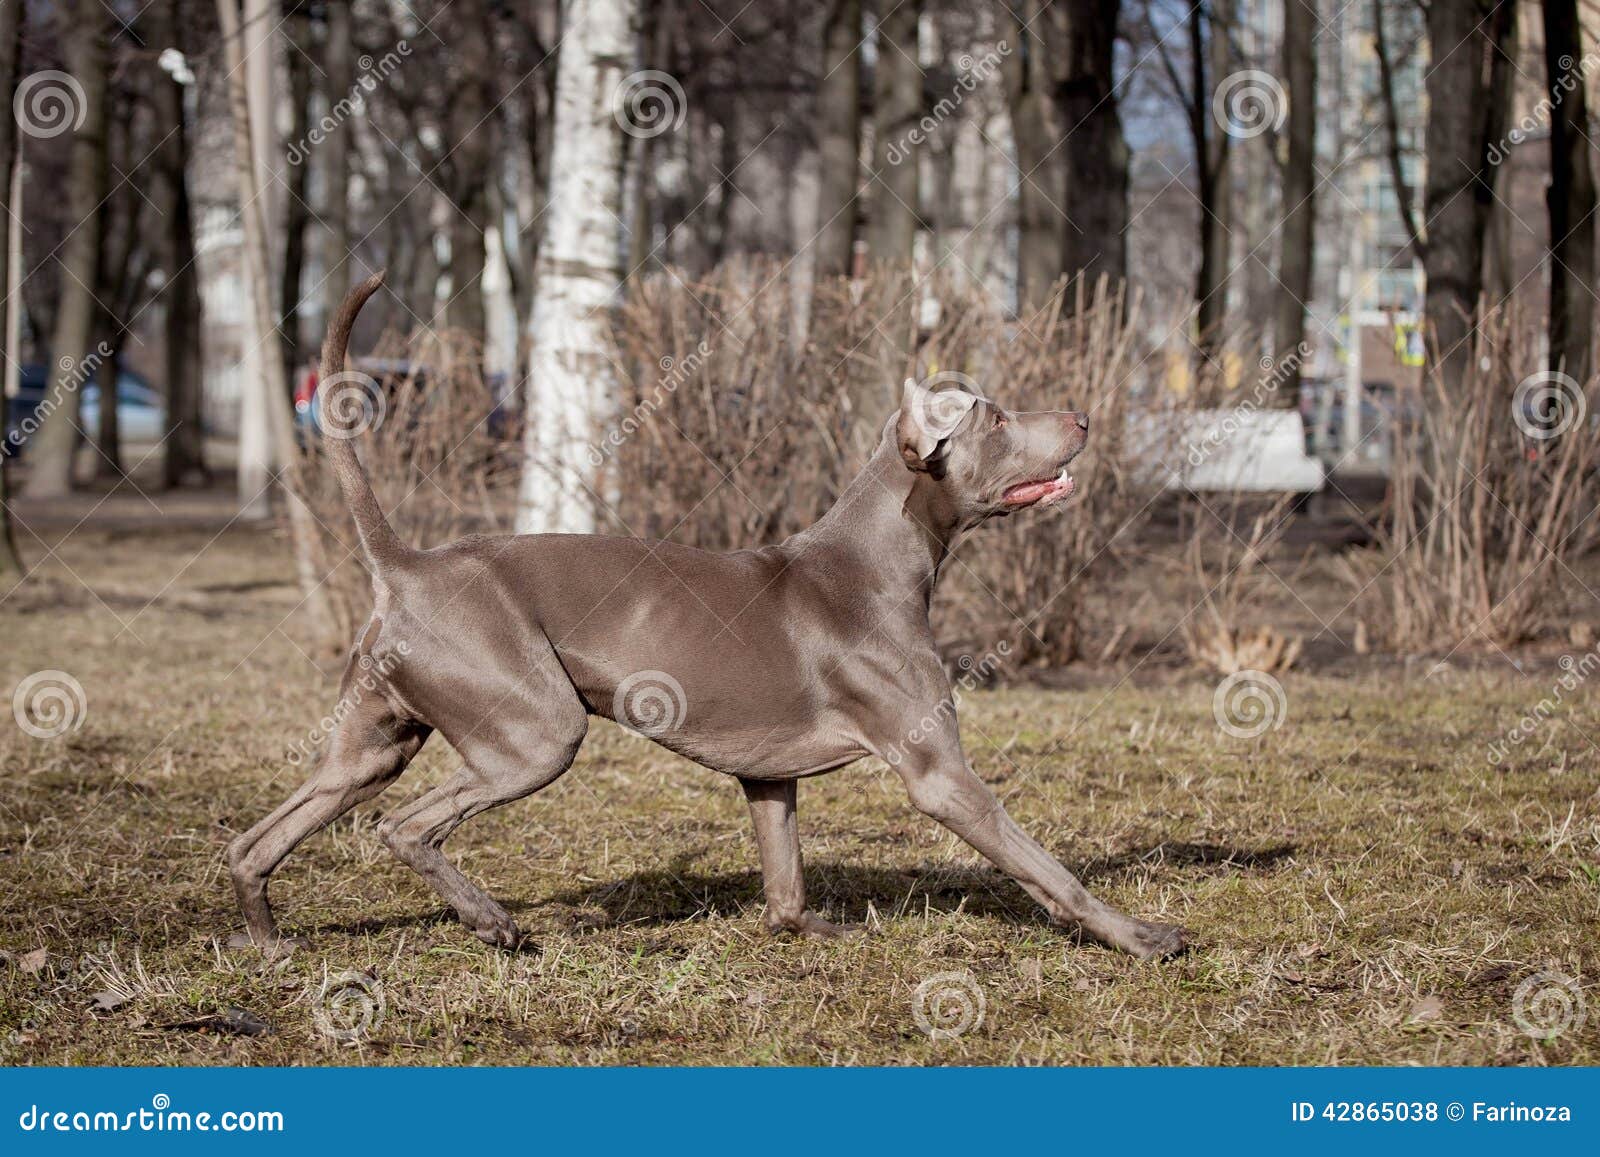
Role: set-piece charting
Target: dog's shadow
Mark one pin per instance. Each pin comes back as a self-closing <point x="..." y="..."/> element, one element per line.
<point x="847" y="892"/>
<point x="679" y="894"/>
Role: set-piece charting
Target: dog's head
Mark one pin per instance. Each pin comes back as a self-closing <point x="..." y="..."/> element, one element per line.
<point x="988" y="461"/>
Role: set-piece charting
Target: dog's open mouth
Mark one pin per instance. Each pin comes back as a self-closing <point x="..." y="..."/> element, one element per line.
<point x="1041" y="492"/>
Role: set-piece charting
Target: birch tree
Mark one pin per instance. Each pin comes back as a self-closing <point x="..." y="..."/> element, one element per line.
<point x="10" y="52"/>
<point x="51" y="448"/>
<point x="571" y="384"/>
<point x="270" y="387"/>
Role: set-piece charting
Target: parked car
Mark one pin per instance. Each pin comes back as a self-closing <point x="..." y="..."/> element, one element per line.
<point x="141" y="410"/>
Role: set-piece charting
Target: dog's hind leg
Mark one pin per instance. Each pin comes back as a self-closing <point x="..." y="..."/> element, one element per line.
<point x="772" y="807"/>
<point x="367" y="751"/>
<point x="504" y="759"/>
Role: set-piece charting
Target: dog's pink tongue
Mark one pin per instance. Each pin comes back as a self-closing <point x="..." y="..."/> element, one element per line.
<point x="1026" y="493"/>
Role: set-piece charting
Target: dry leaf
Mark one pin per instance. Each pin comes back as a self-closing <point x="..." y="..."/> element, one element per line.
<point x="33" y="962"/>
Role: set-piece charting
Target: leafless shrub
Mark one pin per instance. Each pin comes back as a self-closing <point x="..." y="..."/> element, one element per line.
<point x="1485" y="516"/>
<point x="1229" y="575"/>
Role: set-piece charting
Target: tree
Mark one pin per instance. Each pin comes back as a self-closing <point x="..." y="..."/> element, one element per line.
<point x="571" y="383"/>
<point x="1212" y="147"/>
<point x="338" y="80"/>
<point x="896" y="109"/>
<point x="1468" y="89"/>
<point x="1571" y="195"/>
<point x="271" y="389"/>
<point x="468" y="136"/>
<point x="1094" y="153"/>
<point x="1034" y="136"/>
<point x="10" y="57"/>
<point x="51" y="448"/>
<point x="183" y="462"/>
<point x="838" y="137"/>
<point x="1299" y="182"/>
<point x="1210" y="62"/>
<point x="296" y="181"/>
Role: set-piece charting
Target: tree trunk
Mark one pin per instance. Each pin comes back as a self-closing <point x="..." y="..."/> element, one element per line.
<point x="1034" y="135"/>
<point x="470" y="136"/>
<point x="271" y="389"/>
<point x="10" y="56"/>
<point x="1096" y="155"/>
<point x="896" y="109"/>
<point x="1208" y="44"/>
<point x="183" y="462"/>
<point x="1571" y="196"/>
<point x="1467" y="87"/>
<point x="50" y="450"/>
<point x="297" y="212"/>
<point x="338" y="65"/>
<point x="1299" y="181"/>
<point x="838" y="137"/>
<point x="572" y="388"/>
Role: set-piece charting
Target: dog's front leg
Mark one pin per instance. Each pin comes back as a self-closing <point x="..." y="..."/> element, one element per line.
<point x="772" y="807"/>
<point x="944" y="787"/>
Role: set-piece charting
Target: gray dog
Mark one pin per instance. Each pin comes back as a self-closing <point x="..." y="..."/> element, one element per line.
<point x="772" y="664"/>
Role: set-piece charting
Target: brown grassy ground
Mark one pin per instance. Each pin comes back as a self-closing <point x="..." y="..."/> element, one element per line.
<point x="1365" y="886"/>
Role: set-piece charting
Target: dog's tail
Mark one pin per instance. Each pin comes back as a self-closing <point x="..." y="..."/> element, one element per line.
<point x="340" y="396"/>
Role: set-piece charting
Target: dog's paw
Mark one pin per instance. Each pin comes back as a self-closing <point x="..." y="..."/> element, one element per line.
<point x="500" y="931"/>
<point x="814" y="927"/>
<point x="1152" y="941"/>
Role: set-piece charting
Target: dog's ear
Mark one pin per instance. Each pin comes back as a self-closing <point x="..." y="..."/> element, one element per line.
<point x="928" y="417"/>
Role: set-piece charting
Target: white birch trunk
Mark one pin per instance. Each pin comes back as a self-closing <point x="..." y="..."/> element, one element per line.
<point x="267" y="381"/>
<point x="572" y="388"/>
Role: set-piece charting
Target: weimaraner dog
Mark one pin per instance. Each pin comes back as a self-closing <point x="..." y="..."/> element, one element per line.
<point x="506" y="645"/>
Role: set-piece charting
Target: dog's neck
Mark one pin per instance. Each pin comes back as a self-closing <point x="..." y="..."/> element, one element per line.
<point x="896" y="517"/>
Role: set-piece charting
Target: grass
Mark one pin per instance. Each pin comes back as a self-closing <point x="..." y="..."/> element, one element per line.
<point x="1364" y="885"/>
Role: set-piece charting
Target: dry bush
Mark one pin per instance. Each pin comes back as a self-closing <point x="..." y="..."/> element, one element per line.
<point x="742" y="428"/>
<point x="1229" y="574"/>
<point x="1484" y="517"/>
<point x="440" y="468"/>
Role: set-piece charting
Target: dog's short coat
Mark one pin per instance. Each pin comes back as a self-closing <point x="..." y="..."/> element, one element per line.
<point x="783" y="662"/>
